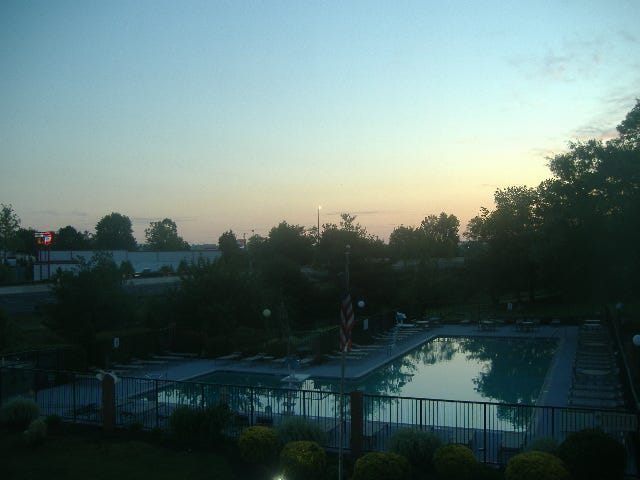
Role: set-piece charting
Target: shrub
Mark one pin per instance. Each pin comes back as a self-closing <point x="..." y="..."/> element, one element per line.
<point x="536" y="465"/>
<point x="18" y="413"/>
<point x="294" y="429"/>
<point x="455" y="462"/>
<point x="195" y="425"/>
<point x="416" y="446"/>
<point x="382" y="466"/>
<point x="215" y="418"/>
<point x="258" y="445"/>
<point x="303" y="460"/>
<point x="54" y="422"/>
<point x="184" y="424"/>
<point x="547" y="445"/>
<point x="36" y="432"/>
<point x="593" y="455"/>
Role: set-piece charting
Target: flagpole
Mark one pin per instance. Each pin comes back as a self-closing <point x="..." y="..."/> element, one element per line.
<point x="342" y="358"/>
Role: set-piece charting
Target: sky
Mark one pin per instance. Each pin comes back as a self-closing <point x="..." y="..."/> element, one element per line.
<point x="238" y="115"/>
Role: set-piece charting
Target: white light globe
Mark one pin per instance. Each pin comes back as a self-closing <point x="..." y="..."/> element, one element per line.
<point x="361" y="303"/>
<point x="266" y="312"/>
<point x="636" y="340"/>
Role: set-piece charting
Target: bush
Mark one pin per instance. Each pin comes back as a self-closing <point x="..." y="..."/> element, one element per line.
<point x="295" y="429"/>
<point x="258" y="445"/>
<point x="191" y="426"/>
<point x="593" y="455"/>
<point x="536" y="465"/>
<point x="547" y="445"/>
<point x="303" y="460"/>
<point x="382" y="466"/>
<point x="416" y="446"/>
<point x="54" y="422"/>
<point x="36" y="433"/>
<point x="184" y="424"/>
<point x="455" y="462"/>
<point x="18" y="413"/>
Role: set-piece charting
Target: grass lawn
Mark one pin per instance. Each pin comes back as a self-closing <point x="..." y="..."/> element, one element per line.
<point x="92" y="456"/>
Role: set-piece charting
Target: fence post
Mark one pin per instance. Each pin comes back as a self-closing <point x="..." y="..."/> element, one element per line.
<point x="108" y="402"/>
<point x="251" y="406"/>
<point x="73" y="392"/>
<point x="357" y="423"/>
<point x="484" y="433"/>
<point x="157" y="403"/>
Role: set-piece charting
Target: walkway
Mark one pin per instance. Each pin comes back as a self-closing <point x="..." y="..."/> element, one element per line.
<point x="364" y="359"/>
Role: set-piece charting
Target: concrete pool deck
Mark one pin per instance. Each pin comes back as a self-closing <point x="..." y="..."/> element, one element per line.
<point x="365" y="359"/>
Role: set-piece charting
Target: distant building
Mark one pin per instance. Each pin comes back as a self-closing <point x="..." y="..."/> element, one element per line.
<point x="49" y="261"/>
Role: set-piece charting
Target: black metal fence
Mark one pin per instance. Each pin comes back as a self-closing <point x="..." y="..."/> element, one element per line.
<point x="493" y="431"/>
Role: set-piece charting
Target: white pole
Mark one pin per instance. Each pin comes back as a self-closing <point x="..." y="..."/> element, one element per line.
<point x="342" y="357"/>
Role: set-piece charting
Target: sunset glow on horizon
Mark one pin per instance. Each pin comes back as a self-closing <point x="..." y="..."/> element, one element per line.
<point x="239" y="115"/>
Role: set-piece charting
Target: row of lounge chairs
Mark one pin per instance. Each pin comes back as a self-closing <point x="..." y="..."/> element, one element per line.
<point x="595" y="371"/>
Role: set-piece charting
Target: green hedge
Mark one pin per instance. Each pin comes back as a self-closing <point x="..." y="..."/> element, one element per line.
<point x="18" y="413"/>
<point x="455" y="462"/>
<point x="536" y="465"/>
<point x="258" y="445"/>
<point x="303" y="460"/>
<point x="382" y="466"/>
<point x="416" y="446"/>
<point x="593" y="455"/>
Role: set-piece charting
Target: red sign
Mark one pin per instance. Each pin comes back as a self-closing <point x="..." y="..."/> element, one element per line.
<point x="44" y="238"/>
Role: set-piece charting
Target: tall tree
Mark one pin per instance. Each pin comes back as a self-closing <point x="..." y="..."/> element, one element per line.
<point x="163" y="236"/>
<point x="291" y="242"/>
<point x="9" y="224"/>
<point x="68" y="238"/>
<point x="228" y="245"/>
<point x="440" y="235"/>
<point x="91" y="301"/>
<point x="404" y="243"/>
<point x="25" y="241"/>
<point x="114" y="232"/>
<point x="510" y="233"/>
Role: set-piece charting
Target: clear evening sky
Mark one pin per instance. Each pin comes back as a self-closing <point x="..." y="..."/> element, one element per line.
<point x="237" y="115"/>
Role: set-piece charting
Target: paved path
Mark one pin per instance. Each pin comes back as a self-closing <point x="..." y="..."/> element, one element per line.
<point x="555" y="391"/>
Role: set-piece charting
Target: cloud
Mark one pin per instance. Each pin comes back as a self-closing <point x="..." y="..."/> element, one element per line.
<point x="573" y="59"/>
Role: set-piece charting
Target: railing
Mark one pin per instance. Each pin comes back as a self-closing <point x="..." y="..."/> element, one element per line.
<point x="493" y="431"/>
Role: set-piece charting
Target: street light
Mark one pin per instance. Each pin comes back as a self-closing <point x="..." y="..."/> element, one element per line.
<point x="318" y="233"/>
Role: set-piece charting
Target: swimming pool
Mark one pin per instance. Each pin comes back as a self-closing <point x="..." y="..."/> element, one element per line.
<point x="481" y="369"/>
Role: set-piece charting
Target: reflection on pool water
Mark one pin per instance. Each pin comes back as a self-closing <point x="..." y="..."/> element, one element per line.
<point x="506" y="370"/>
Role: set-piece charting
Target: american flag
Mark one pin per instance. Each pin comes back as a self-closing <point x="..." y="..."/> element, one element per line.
<point x="347" y="320"/>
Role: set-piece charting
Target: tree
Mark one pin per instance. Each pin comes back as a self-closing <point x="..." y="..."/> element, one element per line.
<point x="90" y="301"/>
<point x="404" y="243"/>
<point x="9" y="224"/>
<point x="290" y="242"/>
<point x="510" y="233"/>
<point x="163" y="236"/>
<point x="114" y="232"/>
<point x="68" y="238"/>
<point x="228" y="245"/>
<point x="25" y="241"/>
<point x="440" y="235"/>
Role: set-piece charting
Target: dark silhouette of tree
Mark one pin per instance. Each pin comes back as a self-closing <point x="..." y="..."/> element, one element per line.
<point x="440" y="236"/>
<point x="163" y="236"/>
<point x="228" y="245"/>
<point x="9" y="224"/>
<point x="114" y="232"/>
<point x="25" y="242"/>
<point x="68" y="238"/>
<point x="90" y="301"/>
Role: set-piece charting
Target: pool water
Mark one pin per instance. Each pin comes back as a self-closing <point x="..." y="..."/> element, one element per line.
<point x="504" y="370"/>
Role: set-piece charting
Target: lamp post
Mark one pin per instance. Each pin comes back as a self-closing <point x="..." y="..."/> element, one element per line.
<point x="318" y="233"/>
<point x="266" y="313"/>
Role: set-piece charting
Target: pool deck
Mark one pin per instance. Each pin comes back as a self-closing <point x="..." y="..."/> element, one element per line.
<point x="364" y="359"/>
